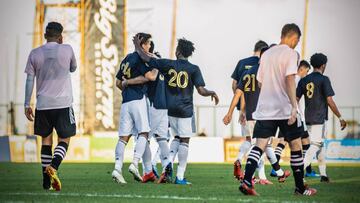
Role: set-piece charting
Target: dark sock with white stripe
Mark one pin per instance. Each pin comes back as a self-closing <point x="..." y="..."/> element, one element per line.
<point x="59" y="154"/>
<point x="305" y="148"/>
<point x="297" y="166"/>
<point x="251" y="164"/>
<point x="46" y="157"/>
<point x="278" y="151"/>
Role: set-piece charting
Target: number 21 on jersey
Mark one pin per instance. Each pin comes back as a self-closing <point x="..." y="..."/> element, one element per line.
<point x="250" y="80"/>
<point x="178" y="79"/>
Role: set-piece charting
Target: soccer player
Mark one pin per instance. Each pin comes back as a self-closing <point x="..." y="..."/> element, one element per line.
<point x="303" y="70"/>
<point x="243" y="65"/>
<point x="181" y="77"/>
<point x="318" y="94"/>
<point x="249" y="87"/>
<point x="133" y="114"/>
<point x="277" y="108"/>
<point x="51" y="65"/>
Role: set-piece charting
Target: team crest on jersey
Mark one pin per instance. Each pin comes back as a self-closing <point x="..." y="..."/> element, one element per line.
<point x="161" y="77"/>
<point x="248" y="67"/>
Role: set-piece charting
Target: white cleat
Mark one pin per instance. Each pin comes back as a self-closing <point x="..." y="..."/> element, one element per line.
<point x="135" y="172"/>
<point x="117" y="177"/>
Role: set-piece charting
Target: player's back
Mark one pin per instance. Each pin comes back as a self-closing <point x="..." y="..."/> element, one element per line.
<point x="131" y="67"/>
<point x="316" y="88"/>
<point x="244" y="65"/>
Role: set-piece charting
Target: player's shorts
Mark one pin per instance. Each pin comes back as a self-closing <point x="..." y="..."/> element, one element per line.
<point x="304" y="134"/>
<point x="317" y="133"/>
<point x="63" y="120"/>
<point x="268" y="128"/>
<point x="182" y="127"/>
<point x="134" y="118"/>
<point x="248" y="128"/>
<point x="159" y="121"/>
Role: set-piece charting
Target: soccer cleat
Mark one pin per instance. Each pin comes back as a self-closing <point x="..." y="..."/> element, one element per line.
<point x="238" y="173"/>
<point x="154" y="170"/>
<point x="273" y="173"/>
<point x="282" y="178"/>
<point x="182" y="182"/>
<point x="54" y="179"/>
<point x="246" y="190"/>
<point x="264" y="182"/>
<point x="166" y="176"/>
<point x="117" y="177"/>
<point x="313" y="174"/>
<point x="324" y="179"/>
<point x="135" y="172"/>
<point x="150" y="177"/>
<point x="307" y="192"/>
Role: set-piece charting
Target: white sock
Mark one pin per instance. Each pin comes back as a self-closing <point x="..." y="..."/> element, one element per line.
<point x="147" y="159"/>
<point x="261" y="169"/>
<point x="310" y="154"/>
<point x="322" y="162"/>
<point x="270" y="153"/>
<point x="119" y="154"/>
<point x="156" y="157"/>
<point x="244" y="149"/>
<point x="174" y="147"/>
<point x="183" y="154"/>
<point x="164" y="151"/>
<point x="139" y="150"/>
<point x="279" y="172"/>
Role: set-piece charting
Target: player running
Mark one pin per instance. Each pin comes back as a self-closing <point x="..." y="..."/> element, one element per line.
<point x="51" y="65"/>
<point x="181" y="77"/>
<point x="318" y="96"/>
<point x="249" y="87"/>
<point x="277" y="108"/>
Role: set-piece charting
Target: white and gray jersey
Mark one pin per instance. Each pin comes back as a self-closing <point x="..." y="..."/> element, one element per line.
<point x="51" y="65"/>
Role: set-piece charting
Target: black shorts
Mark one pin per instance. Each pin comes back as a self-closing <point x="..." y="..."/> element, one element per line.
<point x="63" y="120"/>
<point x="304" y="135"/>
<point x="268" y="128"/>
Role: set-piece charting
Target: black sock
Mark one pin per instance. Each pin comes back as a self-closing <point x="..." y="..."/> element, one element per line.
<point x="251" y="164"/>
<point x="278" y="151"/>
<point x="297" y="166"/>
<point x="305" y="148"/>
<point x="46" y="157"/>
<point x="59" y="154"/>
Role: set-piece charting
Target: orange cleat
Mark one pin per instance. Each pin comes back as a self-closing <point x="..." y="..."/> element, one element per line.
<point x="150" y="177"/>
<point x="238" y="173"/>
<point x="246" y="190"/>
<point x="282" y="178"/>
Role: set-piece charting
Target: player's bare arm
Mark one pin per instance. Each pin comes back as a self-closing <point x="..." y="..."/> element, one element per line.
<point x="336" y="111"/>
<point x="235" y="100"/>
<point x="205" y="93"/>
<point x="291" y="92"/>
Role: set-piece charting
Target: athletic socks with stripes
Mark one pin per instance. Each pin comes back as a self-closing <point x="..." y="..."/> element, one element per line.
<point x="59" y="154"/>
<point x="278" y="151"/>
<point x="46" y="157"/>
<point x="251" y="164"/>
<point x="297" y="166"/>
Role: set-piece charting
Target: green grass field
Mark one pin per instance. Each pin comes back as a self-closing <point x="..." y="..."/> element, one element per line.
<point x="211" y="183"/>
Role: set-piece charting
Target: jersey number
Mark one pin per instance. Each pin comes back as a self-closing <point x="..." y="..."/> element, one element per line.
<point x="180" y="79"/>
<point x="126" y="70"/>
<point x="310" y="90"/>
<point x="249" y="83"/>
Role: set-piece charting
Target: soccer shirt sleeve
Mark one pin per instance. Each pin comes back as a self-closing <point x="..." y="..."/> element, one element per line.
<point x="235" y="75"/>
<point x="197" y="78"/>
<point x="30" y="69"/>
<point x="161" y="64"/>
<point x="291" y="64"/>
<point x="327" y="88"/>
<point x="119" y="74"/>
<point x="73" y="65"/>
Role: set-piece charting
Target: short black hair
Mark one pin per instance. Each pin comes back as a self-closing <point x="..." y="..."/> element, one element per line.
<point x="152" y="47"/>
<point x="144" y="37"/>
<point x="304" y="63"/>
<point x="53" y="29"/>
<point x="263" y="50"/>
<point x="318" y="59"/>
<point x="260" y="45"/>
<point x="290" y="28"/>
<point x="185" y="47"/>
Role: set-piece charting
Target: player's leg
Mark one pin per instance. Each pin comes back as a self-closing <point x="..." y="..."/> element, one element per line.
<point x="309" y="172"/>
<point x="154" y="161"/>
<point x="149" y="175"/>
<point x="174" y="146"/>
<point x="321" y="157"/>
<point x="243" y="150"/>
<point x="316" y="140"/>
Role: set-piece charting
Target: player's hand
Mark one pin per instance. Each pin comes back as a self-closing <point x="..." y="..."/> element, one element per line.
<point x="227" y="119"/>
<point x="137" y="42"/>
<point x="343" y="124"/>
<point x="29" y="113"/>
<point x="215" y="98"/>
<point x="242" y="118"/>
<point x="124" y="83"/>
<point x="293" y="116"/>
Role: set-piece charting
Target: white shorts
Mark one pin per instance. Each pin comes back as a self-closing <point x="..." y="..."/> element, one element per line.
<point x="317" y="133"/>
<point x="182" y="127"/>
<point x="248" y="128"/>
<point x="159" y="122"/>
<point x="134" y="118"/>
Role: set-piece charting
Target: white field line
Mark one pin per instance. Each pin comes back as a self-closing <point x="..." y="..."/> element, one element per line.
<point x="131" y="196"/>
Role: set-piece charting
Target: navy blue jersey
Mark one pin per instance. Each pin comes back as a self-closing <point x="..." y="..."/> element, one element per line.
<point x="243" y="65"/>
<point x="156" y="92"/>
<point x="131" y="67"/>
<point x="180" y="77"/>
<point x="249" y="85"/>
<point x="316" y="88"/>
